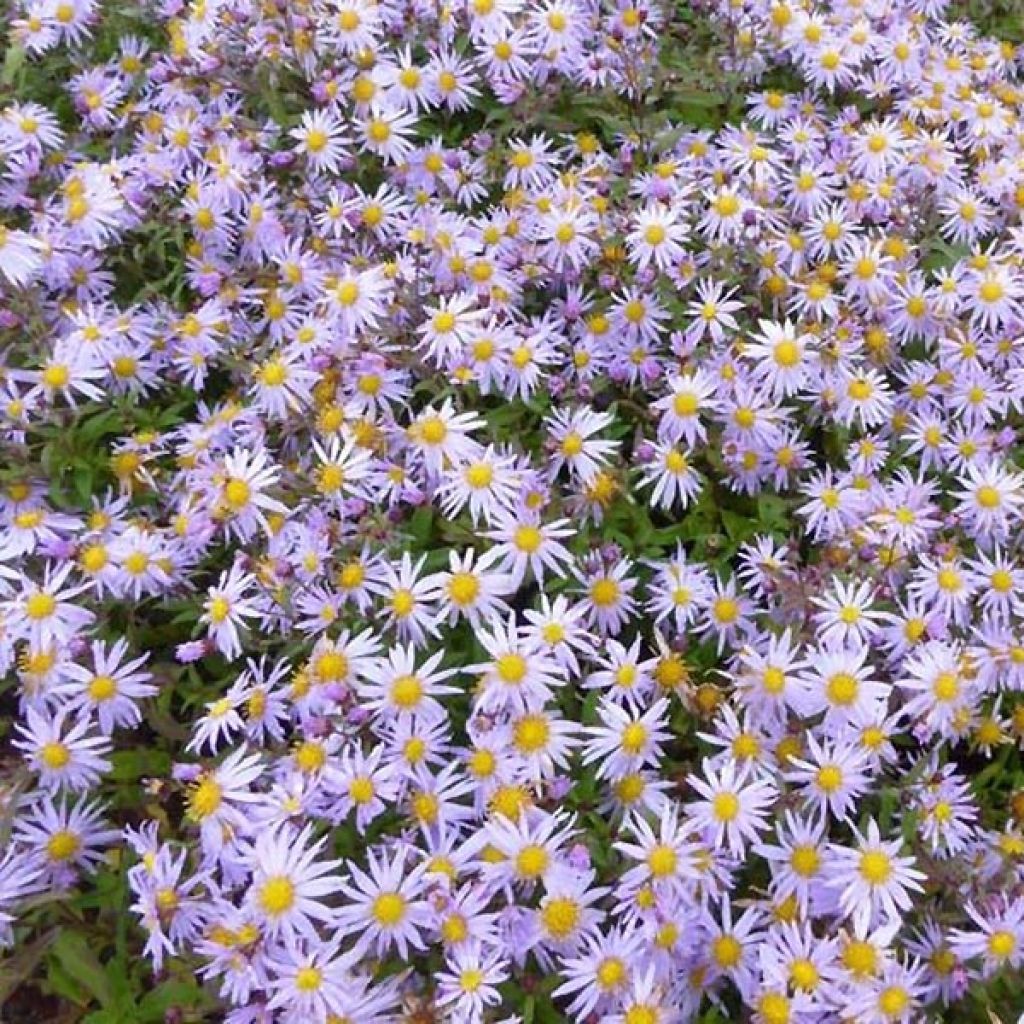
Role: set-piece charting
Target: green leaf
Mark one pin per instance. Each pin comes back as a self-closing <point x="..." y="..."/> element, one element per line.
<point x="529" y="1008"/>
<point x="131" y="765"/>
<point x="74" y="953"/>
<point x="738" y="528"/>
<point x="13" y="62"/>
<point x="168" y="995"/>
<point x="17" y="967"/>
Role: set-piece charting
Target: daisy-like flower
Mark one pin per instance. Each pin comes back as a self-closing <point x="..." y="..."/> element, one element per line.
<point x="488" y="484"/>
<point x="896" y="995"/>
<point x="69" y="759"/>
<point x="42" y="614"/>
<point x="991" y="499"/>
<point x="566" y="915"/>
<point x="473" y="589"/>
<point x="19" y="877"/>
<point x="227" y="607"/>
<point x="770" y="681"/>
<point x="66" y="839"/>
<point x="622" y="674"/>
<point x="671" y="474"/>
<point x="939" y="687"/>
<point x="873" y="880"/>
<point x="441" y="437"/>
<point x="519" y="675"/>
<point x="997" y="939"/>
<point x="313" y="979"/>
<point x="713" y="311"/>
<point x="468" y="984"/>
<point x="242" y="501"/>
<point x="385" y="905"/>
<point x="833" y="775"/>
<point x="607" y="597"/>
<point x="216" y="802"/>
<point x="20" y="256"/>
<point x="320" y="137"/>
<point x="627" y="739"/>
<point x="358" y="299"/>
<point x="343" y="469"/>
<point x="289" y="883"/>
<point x="558" y="627"/>
<point x="733" y="810"/>
<point x="838" y="681"/>
<point x="600" y="973"/>
<point x="658" y="237"/>
<point x="385" y="133"/>
<point x="450" y="326"/>
<point x="395" y="685"/>
<point x="527" y="542"/>
<point x="799" y="861"/>
<point x="531" y="849"/>
<point x="995" y="296"/>
<point x="732" y="944"/>
<point x="690" y="397"/>
<point x="665" y="859"/>
<point x="410" y="599"/>
<point x="573" y="444"/>
<point x="847" y="615"/>
<point x="781" y="357"/>
<point x="112" y="687"/>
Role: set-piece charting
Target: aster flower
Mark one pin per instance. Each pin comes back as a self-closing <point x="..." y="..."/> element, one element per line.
<point x="385" y="907"/>
<point x="289" y="883"/>
<point x="874" y="881"/>
<point x="112" y="687"/>
<point x="733" y="808"/>
<point x="997" y="937"/>
<point x="69" y="759"/>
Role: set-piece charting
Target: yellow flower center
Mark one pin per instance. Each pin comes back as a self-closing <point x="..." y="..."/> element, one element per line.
<point x="277" y="895"/>
<point x="40" y="606"/>
<point x="893" y="1001"/>
<point x="875" y="867"/>
<point x="205" y="799"/>
<point x="604" y="592"/>
<point x="55" y="755"/>
<point x="407" y="691"/>
<point x="805" y="860"/>
<point x="236" y="493"/>
<point x="988" y="496"/>
<point x="726" y="951"/>
<point x="946" y="687"/>
<point x="63" y="845"/>
<point x="611" y="973"/>
<point x="531" y="861"/>
<point x="360" y="790"/>
<point x="433" y="430"/>
<point x="308" y="979"/>
<point x="634" y="738"/>
<point x="774" y="1007"/>
<point x="511" y="668"/>
<point x="102" y="688"/>
<point x="804" y="975"/>
<point x="531" y="733"/>
<point x="560" y="916"/>
<point x="842" y="689"/>
<point x="1001" y="944"/>
<point x="725" y="806"/>
<point x="389" y="909"/>
<point x="662" y="861"/>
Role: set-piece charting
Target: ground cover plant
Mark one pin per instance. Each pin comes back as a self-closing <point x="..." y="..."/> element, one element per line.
<point x="510" y="511"/>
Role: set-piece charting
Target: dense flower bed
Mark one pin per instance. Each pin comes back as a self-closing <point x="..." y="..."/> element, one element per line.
<point x="496" y="529"/>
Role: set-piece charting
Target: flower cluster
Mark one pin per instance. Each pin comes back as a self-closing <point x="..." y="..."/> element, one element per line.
<point x="584" y="564"/>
